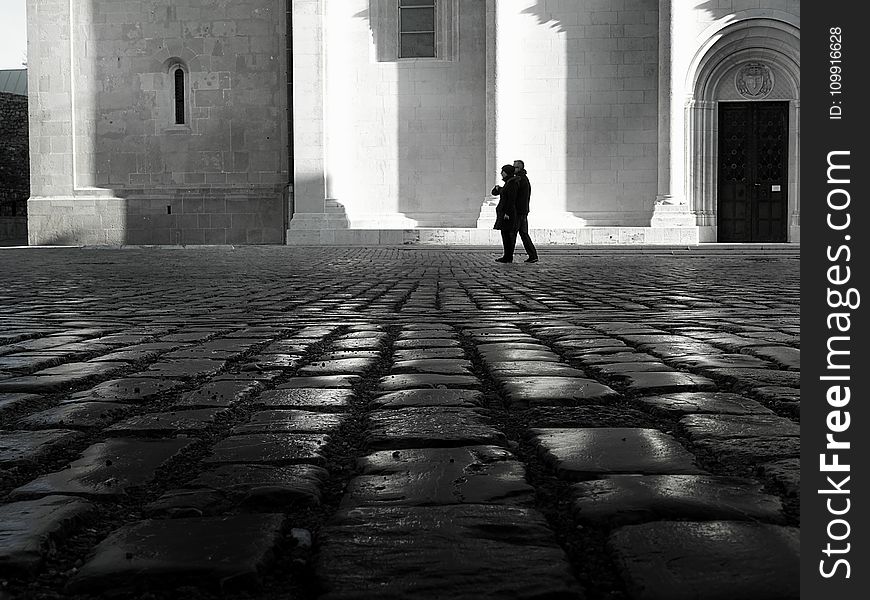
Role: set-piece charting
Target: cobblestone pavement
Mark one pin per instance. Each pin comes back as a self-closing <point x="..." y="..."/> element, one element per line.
<point x="397" y="423"/>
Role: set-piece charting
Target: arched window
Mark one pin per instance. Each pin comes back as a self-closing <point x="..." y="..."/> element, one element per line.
<point x="179" y="95"/>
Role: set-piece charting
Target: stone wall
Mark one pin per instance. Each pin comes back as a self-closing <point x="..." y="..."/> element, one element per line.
<point x="578" y="83"/>
<point x="14" y="169"/>
<point x="119" y="144"/>
<point x="405" y="137"/>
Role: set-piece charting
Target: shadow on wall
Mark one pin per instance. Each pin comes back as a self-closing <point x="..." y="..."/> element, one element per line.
<point x="214" y="177"/>
<point x="440" y="137"/>
<point x="14" y="169"/>
<point x="611" y="118"/>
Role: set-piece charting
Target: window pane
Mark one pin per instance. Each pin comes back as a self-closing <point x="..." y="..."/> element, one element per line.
<point x="417" y="45"/>
<point x="179" y="97"/>
<point x="416" y="2"/>
<point x="417" y="19"/>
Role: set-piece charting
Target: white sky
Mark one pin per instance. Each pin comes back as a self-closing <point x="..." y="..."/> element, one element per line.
<point x="13" y="34"/>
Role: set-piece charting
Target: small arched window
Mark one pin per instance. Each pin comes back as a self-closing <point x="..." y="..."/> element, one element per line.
<point x="179" y="95"/>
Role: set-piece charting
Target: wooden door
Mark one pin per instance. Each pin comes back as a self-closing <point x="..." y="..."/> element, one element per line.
<point x="753" y="168"/>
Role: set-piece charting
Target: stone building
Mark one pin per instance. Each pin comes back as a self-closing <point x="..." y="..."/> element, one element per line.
<point x="386" y="121"/>
<point x="14" y="156"/>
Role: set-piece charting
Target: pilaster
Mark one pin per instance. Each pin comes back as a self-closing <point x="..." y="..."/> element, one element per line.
<point x="487" y="209"/>
<point x="664" y="195"/>
<point x="794" y="229"/>
<point x="309" y="181"/>
<point x="671" y="208"/>
<point x="66" y="206"/>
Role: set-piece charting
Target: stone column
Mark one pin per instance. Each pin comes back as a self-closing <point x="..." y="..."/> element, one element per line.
<point x="309" y="180"/>
<point x="664" y="195"/>
<point x="487" y="209"/>
<point x="671" y="208"/>
<point x="50" y="82"/>
<point x="794" y="234"/>
<point x="701" y="163"/>
<point x="66" y="206"/>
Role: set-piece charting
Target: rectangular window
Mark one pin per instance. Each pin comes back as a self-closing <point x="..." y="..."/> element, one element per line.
<point x="416" y="28"/>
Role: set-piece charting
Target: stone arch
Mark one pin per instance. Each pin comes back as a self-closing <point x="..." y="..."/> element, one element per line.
<point x="776" y="44"/>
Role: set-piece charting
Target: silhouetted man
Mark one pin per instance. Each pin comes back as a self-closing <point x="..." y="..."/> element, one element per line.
<point x="523" y="197"/>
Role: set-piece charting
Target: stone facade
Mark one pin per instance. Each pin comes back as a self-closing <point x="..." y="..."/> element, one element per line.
<point x="14" y="169"/>
<point x="111" y="164"/>
<point x="301" y="120"/>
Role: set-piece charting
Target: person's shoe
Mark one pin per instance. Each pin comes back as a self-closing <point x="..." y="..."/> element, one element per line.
<point x="503" y="260"/>
<point x="531" y="260"/>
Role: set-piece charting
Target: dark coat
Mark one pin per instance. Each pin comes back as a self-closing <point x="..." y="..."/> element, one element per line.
<point x="524" y="193"/>
<point x="507" y="205"/>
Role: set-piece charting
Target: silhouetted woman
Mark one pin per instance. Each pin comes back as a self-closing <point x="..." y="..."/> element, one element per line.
<point x="506" y="212"/>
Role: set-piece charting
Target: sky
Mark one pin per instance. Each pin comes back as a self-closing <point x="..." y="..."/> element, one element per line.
<point x="13" y="34"/>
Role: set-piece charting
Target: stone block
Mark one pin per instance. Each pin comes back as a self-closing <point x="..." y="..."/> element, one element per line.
<point x="585" y="452"/>
<point x="28" y="530"/>
<point x="428" y="427"/>
<point x="20" y="448"/>
<point x="307" y="398"/>
<point x="270" y="448"/>
<point x="717" y="560"/>
<point x="507" y="551"/>
<point x="439" y="476"/>
<point x="220" y="553"/>
<point x="391" y="237"/>
<point x="106" y="468"/>
<point x="625" y="499"/>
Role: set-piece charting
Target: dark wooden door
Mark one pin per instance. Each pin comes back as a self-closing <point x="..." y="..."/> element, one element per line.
<point x="753" y="168"/>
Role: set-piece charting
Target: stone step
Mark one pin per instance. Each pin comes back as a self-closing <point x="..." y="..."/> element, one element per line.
<point x="670" y="240"/>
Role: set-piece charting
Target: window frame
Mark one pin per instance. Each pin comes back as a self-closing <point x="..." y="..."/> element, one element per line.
<point x="384" y="23"/>
<point x="175" y="70"/>
<point x="433" y="6"/>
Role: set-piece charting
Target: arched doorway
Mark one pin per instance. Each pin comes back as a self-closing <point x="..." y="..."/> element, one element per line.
<point x="742" y="134"/>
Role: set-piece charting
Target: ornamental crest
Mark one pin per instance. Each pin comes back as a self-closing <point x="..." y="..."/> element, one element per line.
<point x="754" y="80"/>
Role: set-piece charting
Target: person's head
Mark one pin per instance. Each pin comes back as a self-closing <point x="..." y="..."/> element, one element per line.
<point x="519" y="165"/>
<point x="507" y="171"/>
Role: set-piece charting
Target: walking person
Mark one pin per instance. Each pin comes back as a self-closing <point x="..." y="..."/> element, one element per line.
<point x="523" y="198"/>
<point x="506" y="212"/>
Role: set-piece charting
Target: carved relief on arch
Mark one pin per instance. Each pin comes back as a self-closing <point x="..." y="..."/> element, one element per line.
<point x="754" y="80"/>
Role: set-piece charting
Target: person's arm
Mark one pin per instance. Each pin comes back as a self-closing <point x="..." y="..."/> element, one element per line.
<point x="496" y="191"/>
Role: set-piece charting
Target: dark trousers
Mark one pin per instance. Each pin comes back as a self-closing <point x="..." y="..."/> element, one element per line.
<point x="509" y="241"/>
<point x="524" y="236"/>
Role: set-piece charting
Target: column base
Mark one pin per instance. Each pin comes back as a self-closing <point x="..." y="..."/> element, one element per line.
<point x="672" y="215"/>
<point x="317" y="221"/>
<point x="707" y="234"/>
<point x="487" y="214"/>
<point x="794" y="228"/>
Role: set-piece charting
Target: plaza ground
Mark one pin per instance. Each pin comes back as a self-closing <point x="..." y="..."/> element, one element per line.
<point x="399" y="422"/>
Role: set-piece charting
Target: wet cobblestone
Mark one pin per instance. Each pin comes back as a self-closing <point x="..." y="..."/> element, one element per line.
<point x="398" y="422"/>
